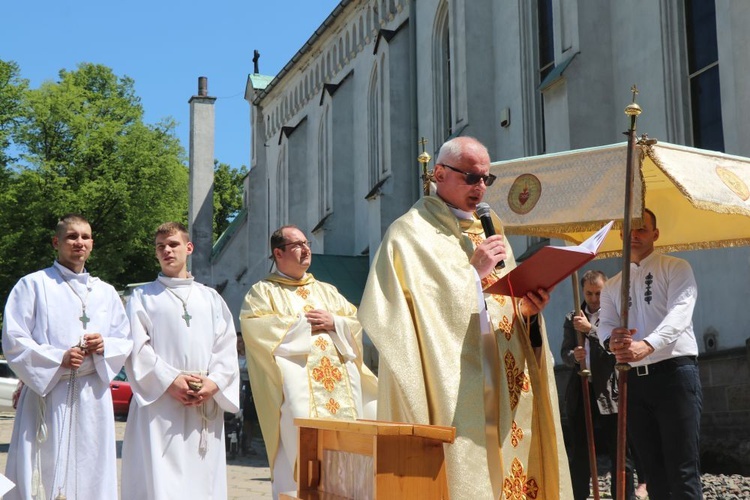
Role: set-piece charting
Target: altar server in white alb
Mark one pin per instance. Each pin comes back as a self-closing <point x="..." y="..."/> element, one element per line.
<point x="65" y="334"/>
<point x="185" y="375"/>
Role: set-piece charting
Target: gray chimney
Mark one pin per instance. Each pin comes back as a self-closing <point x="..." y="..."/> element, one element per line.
<point x="201" y="189"/>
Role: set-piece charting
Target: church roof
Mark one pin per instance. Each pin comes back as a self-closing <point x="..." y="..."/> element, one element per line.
<point x="308" y="46"/>
<point x="347" y="273"/>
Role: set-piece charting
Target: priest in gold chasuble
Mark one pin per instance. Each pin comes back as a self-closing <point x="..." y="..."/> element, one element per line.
<point x="452" y="355"/>
<point x="304" y="351"/>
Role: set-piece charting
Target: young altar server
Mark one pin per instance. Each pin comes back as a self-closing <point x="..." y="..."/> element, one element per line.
<point x="65" y="335"/>
<point x="184" y="375"/>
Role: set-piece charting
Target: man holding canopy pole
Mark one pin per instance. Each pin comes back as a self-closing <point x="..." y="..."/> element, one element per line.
<point x="664" y="396"/>
<point x="580" y="349"/>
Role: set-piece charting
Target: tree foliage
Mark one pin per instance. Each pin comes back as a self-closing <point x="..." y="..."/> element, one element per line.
<point x="227" y="195"/>
<point x="83" y="147"/>
<point x="12" y="88"/>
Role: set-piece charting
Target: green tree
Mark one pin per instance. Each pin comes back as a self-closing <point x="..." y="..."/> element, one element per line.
<point x="85" y="148"/>
<point x="227" y="195"/>
<point x="12" y="88"/>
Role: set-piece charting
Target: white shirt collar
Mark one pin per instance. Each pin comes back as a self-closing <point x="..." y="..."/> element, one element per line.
<point x="174" y="282"/>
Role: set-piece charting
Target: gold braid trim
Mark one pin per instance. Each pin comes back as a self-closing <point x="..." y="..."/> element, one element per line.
<point x="719" y="208"/>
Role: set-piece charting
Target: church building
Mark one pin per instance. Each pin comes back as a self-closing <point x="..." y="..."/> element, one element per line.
<point x="335" y="135"/>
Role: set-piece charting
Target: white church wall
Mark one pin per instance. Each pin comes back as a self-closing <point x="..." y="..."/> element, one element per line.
<point x="493" y="48"/>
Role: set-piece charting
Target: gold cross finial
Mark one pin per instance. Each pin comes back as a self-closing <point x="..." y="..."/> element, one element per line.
<point x="634" y="90"/>
<point x="632" y="109"/>
<point x="424" y="158"/>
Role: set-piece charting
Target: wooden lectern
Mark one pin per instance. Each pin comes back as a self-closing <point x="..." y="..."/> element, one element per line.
<point x="359" y="459"/>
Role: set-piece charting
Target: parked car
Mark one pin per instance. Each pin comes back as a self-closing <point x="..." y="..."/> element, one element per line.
<point x="8" y="384"/>
<point x="121" y="394"/>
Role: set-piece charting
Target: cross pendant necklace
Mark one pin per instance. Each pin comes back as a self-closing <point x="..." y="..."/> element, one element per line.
<point x="83" y="319"/>
<point x="184" y="302"/>
<point x="186" y="316"/>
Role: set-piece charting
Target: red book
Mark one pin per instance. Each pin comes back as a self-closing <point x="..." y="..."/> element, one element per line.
<point x="548" y="267"/>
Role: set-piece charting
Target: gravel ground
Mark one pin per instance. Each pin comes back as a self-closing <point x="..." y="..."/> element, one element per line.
<point x="715" y="487"/>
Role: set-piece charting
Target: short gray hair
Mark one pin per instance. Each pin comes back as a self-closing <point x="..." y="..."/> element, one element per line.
<point x="592" y="276"/>
<point x="454" y="148"/>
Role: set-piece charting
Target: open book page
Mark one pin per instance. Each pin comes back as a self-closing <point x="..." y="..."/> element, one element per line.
<point x="594" y="241"/>
<point x="549" y="266"/>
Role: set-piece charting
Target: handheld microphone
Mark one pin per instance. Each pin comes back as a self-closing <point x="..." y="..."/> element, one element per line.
<point x="483" y="211"/>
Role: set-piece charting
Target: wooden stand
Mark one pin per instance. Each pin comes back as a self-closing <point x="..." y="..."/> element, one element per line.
<point x="390" y="460"/>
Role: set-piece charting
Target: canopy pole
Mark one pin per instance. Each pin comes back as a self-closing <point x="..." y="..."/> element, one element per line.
<point x="585" y="373"/>
<point x="632" y="110"/>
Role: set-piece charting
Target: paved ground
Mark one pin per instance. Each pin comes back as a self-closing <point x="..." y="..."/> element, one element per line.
<point x="248" y="477"/>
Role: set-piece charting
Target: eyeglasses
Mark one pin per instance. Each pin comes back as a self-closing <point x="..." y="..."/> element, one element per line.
<point x="297" y="244"/>
<point x="472" y="179"/>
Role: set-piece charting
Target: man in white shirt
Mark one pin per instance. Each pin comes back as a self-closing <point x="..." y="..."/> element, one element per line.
<point x="664" y="390"/>
<point x="65" y="335"/>
<point x="184" y="375"/>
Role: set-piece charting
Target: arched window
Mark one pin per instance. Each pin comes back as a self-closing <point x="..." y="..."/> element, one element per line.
<point x="546" y="42"/>
<point x="282" y="187"/>
<point x="703" y="74"/>
<point x="442" y="83"/>
<point x="375" y="122"/>
<point x="325" y="165"/>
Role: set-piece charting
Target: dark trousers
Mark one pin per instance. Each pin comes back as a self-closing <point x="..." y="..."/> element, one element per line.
<point x="664" y="416"/>
<point x="605" y="440"/>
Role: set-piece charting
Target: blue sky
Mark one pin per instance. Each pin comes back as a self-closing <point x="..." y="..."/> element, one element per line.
<point x="164" y="46"/>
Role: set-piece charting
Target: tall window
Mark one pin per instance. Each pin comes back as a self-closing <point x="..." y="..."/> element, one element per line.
<point x="546" y="63"/>
<point x="282" y="183"/>
<point x="325" y="165"/>
<point x="375" y="139"/>
<point x="703" y="67"/>
<point x="546" y="38"/>
<point x="442" y="74"/>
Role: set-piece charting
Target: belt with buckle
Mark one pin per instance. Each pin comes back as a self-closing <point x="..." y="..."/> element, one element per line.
<point x="665" y="366"/>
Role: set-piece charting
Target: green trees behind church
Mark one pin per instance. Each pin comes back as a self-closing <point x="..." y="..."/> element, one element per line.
<point x="79" y="144"/>
<point x="227" y="195"/>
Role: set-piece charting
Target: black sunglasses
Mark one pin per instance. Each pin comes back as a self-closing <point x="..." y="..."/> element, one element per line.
<point x="472" y="179"/>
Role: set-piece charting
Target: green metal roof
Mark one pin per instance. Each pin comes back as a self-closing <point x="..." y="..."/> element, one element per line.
<point x="236" y="223"/>
<point x="556" y="73"/>
<point x="260" y="82"/>
<point x="348" y="274"/>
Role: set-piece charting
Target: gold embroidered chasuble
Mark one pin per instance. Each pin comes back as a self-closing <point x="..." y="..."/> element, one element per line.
<point x="421" y="310"/>
<point x="272" y="309"/>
